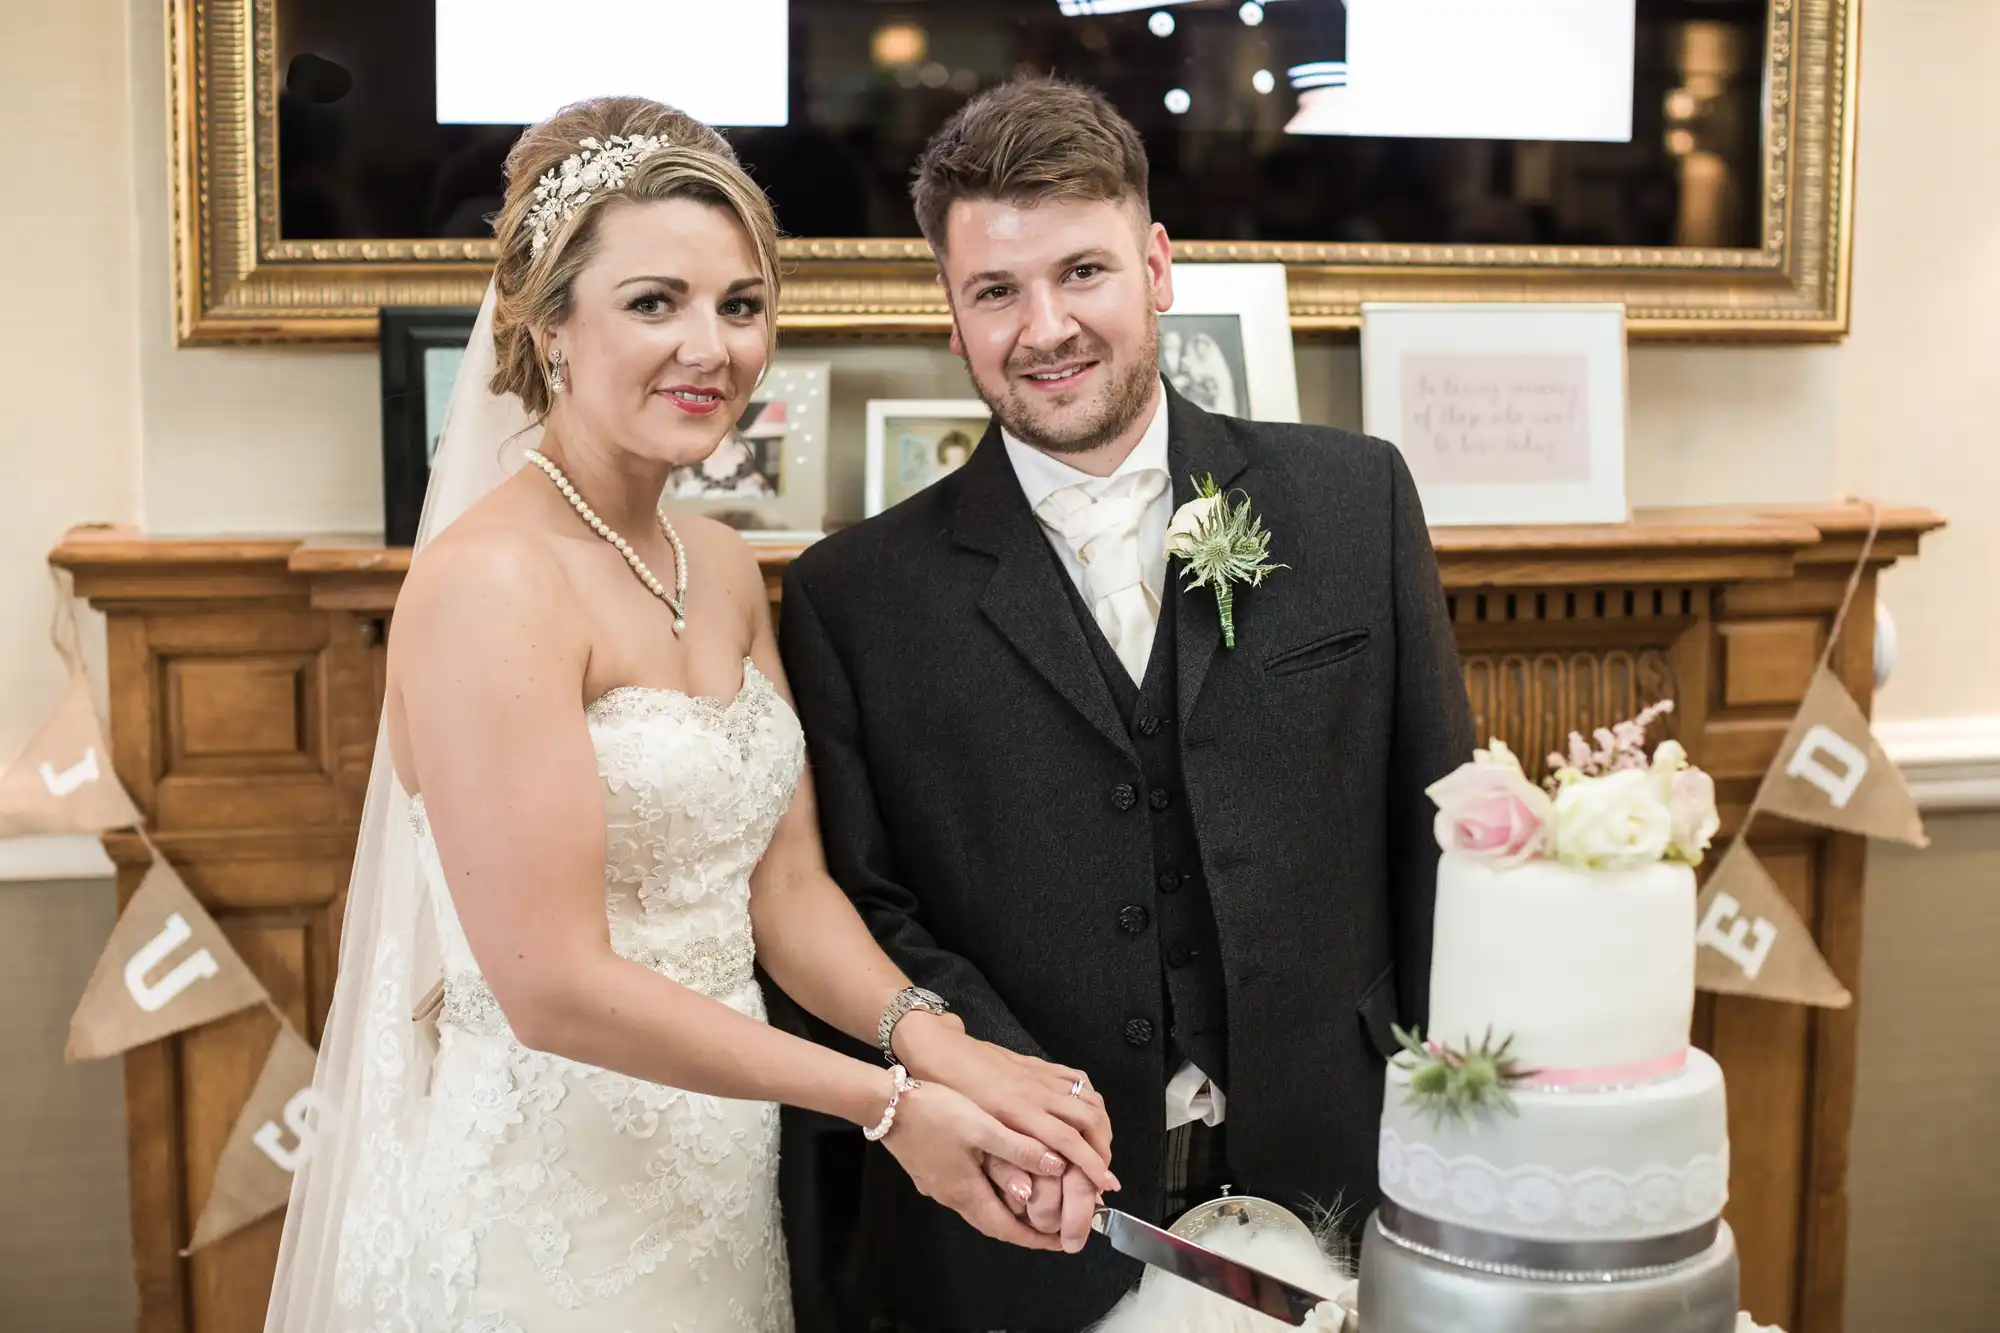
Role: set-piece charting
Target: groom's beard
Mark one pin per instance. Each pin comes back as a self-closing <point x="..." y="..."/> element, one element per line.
<point x="1078" y="427"/>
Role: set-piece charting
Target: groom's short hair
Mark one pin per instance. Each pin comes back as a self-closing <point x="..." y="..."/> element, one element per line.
<point x="1026" y="142"/>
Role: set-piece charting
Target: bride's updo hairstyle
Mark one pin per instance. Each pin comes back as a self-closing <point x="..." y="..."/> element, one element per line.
<point x="533" y="280"/>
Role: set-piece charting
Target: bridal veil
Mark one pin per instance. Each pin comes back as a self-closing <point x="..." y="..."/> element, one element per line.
<point x="348" y="1229"/>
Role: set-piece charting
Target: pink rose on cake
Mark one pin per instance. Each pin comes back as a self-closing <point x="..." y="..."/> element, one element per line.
<point x="1690" y="798"/>
<point x="1488" y="809"/>
<point x="1618" y="821"/>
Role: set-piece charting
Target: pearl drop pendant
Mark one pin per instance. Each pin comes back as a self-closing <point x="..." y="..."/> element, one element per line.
<point x="677" y="603"/>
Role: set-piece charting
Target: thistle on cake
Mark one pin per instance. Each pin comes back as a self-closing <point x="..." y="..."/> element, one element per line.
<point x="1607" y="807"/>
<point x="1450" y="1082"/>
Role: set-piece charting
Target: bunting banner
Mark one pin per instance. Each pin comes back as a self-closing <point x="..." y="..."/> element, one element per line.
<point x="273" y="1137"/>
<point x="1831" y="771"/>
<point x="167" y="967"/>
<point x="62" y="782"/>
<point x="1749" y="940"/>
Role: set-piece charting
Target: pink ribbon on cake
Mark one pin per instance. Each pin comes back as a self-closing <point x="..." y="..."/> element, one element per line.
<point x="1608" y="1076"/>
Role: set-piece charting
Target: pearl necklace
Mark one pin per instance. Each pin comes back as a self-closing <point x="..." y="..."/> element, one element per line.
<point x="677" y="602"/>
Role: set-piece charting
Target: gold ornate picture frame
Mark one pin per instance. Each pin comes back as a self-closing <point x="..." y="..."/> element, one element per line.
<point x="237" y="280"/>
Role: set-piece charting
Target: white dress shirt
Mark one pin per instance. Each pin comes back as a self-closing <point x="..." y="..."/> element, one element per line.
<point x="1190" y="1094"/>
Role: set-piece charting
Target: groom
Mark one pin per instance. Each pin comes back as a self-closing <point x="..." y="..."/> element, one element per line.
<point x="1203" y="874"/>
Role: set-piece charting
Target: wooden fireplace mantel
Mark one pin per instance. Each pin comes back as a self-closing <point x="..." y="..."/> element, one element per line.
<point x="246" y="678"/>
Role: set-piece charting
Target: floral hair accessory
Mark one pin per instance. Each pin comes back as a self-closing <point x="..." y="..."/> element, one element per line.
<point x="604" y="165"/>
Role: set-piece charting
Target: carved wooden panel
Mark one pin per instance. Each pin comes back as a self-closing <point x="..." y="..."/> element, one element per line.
<point x="1533" y="701"/>
<point x="1769" y="661"/>
<point x="241" y="715"/>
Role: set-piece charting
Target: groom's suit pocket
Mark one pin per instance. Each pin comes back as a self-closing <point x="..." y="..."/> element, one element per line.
<point x="1317" y="653"/>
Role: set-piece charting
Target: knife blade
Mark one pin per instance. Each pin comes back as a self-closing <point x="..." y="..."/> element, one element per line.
<point x="1205" y="1268"/>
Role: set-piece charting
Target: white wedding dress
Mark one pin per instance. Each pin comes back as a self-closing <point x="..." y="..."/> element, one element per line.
<point x="547" y="1196"/>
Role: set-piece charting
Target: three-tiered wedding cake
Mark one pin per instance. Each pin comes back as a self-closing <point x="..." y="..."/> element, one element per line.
<point x="1554" y="1154"/>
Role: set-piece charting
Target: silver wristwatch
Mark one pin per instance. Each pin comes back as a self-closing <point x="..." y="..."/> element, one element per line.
<point x="910" y="997"/>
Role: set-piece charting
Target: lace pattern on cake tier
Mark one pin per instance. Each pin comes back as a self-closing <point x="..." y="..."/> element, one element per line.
<point x="1536" y="1202"/>
<point x="716" y="965"/>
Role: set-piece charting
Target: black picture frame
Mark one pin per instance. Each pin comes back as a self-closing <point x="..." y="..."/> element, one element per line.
<point x="409" y="400"/>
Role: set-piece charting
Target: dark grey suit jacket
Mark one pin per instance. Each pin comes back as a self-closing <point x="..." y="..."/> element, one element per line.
<point x="968" y="759"/>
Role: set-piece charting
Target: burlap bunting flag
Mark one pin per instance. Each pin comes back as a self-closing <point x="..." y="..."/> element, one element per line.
<point x="1831" y="771"/>
<point x="166" y="967"/>
<point x="62" y="782"/>
<point x="273" y="1137"/>
<point x="1750" y="941"/>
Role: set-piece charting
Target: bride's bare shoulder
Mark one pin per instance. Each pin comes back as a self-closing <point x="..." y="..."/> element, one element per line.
<point x="484" y="578"/>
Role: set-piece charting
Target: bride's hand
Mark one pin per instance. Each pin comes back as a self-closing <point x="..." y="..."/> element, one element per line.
<point x="1028" y="1095"/>
<point x="1054" y="1207"/>
<point x="943" y="1141"/>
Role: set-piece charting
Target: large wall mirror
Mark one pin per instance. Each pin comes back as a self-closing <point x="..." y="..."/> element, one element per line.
<point x="1690" y="158"/>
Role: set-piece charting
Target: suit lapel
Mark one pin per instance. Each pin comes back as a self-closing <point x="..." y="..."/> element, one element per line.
<point x="1197" y="447"/>
<point x="1025" y="599"/>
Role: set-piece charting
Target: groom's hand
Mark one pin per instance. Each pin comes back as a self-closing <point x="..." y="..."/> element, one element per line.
<point x="1029" y="1096"/>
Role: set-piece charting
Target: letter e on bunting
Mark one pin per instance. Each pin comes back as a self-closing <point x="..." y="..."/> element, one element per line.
<point x="1832" y="772"/>
<point x="165" y="968"/>
<point x="1749" y="941"/>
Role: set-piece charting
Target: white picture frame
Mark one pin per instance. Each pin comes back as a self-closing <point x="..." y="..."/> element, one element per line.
<point x="913" y="443"/>
<point x="1242" y="316"/>
<point x="776" y="492"/>
<point x="1506" y="414"/>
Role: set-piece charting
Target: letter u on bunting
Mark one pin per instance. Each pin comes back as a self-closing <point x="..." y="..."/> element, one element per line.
<point x="166" y="967"/>
<point x="1749" y="941"/>
<point x="62" y="782"/>
<point x="274" y="1135"/>
<point x="1832" y="772"/>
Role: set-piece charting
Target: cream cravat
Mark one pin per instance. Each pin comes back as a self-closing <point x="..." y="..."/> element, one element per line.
<point x="1103" y="534"/>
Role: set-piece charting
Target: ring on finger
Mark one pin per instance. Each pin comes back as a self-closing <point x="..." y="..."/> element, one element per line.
<point x="1076" y="1088"/>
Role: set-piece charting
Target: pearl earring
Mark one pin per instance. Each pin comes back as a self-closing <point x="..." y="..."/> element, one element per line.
<point x="556" y="381"/>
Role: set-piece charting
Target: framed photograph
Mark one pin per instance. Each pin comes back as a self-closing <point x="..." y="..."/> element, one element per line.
<point x="420" y="352"/>
<point x="1505" y="414"/>
<point x="913" y="442"/>
<point x="1227" y="343"/>
<point x="768" y="477"/>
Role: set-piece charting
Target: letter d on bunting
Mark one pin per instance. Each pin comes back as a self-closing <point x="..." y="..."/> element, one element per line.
<point x="1832" y="772"/>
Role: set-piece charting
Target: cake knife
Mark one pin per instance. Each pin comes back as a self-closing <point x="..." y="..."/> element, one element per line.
<point x="1204" y="1267"/>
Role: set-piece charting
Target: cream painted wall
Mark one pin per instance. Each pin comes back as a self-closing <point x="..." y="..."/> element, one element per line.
<point x="69" y="441"/>
<point x="1918" y="403"/>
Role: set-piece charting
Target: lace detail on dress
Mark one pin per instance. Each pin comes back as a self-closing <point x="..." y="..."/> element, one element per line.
<point x="551" y="1194"/>
<point x="1535" y="1202"/>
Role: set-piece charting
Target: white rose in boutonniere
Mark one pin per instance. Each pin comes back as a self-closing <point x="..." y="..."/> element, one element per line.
<point x="1615" y="822"/>
<point x="1222" y="544"/>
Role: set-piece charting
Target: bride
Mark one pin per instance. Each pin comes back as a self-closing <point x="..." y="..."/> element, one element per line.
<point x="547" y="1093"/>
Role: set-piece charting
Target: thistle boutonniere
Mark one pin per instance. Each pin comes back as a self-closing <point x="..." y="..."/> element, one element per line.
<point x="1222" y="544"/>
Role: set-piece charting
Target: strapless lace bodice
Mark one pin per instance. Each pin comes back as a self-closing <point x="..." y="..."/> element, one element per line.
<point x="693" y="788"/>
<point x="552" y="1195"/>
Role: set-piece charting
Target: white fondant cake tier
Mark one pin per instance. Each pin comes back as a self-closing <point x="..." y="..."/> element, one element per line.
<point x="1629" y="1164"/>
<point x="1585" y="969"/>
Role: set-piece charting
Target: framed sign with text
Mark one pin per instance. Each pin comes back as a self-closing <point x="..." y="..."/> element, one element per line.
<point x="1504" y="413"/>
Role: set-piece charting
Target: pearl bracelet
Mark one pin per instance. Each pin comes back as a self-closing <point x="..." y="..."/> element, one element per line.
<point x="903" y="1083"/>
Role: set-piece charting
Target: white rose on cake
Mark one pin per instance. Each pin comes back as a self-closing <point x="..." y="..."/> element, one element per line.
<point x="1619" y="821"/>
<point x="1690" y="797"/>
